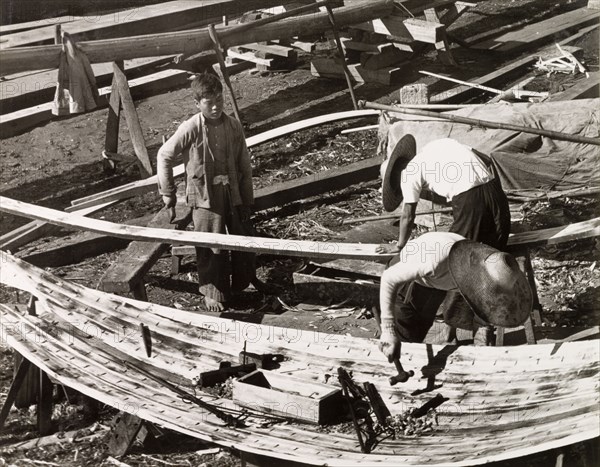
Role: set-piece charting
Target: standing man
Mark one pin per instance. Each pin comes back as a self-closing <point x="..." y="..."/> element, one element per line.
<point x="218" y="187"/>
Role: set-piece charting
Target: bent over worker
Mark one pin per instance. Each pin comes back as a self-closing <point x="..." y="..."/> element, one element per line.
<point x="218" y="187"/>
<point x="464" y="176"/>
<point x="495" y="290"/>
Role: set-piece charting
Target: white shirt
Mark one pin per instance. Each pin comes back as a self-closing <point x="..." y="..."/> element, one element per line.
<point x="425" y="260"/>
<point x="445" y="167"/>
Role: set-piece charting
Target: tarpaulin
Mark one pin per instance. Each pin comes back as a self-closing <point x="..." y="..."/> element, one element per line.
<point x="526" y="163"/>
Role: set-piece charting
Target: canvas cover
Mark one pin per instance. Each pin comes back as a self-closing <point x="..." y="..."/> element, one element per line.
<point x="527" y="163"/>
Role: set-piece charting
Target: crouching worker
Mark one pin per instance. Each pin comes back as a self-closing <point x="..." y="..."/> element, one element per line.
<point x="218" y="188"/>
<point x="495" y="290"/>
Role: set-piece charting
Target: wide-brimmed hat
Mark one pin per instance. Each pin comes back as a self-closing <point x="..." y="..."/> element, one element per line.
<point x="491" y="282"/>
<point x="402" y="154"/>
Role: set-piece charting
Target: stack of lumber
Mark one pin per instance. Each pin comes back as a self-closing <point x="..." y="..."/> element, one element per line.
<point x="375" y="50"/>
<point x="266" y="56"/>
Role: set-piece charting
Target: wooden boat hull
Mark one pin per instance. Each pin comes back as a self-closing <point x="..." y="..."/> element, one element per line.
<point x="503" y="402"/>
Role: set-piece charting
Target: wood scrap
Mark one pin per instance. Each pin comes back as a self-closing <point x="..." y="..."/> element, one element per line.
<point x="515" y="92"/>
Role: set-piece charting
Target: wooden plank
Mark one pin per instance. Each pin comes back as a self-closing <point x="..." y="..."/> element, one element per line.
<point x="17" y="122"/>
<point x="15" y="239"/>
<point x="417" y="7"/>
<point x="11" y="396"/>
<point x="39" y="23"/>
<point x="24" y="90"/>
<point x="133" y="122"/>
<point x="250" y="57"/>
<point x="44" y="404"/>
<point x="111" y="138"/>
<point x="404" y="30"/>
<point x="316" y="184"/>
<point x="136" y="21"/>
<point x="272" y="49"/>
<point x="258" y="245"/>
<point x="126" y="428"/>
<point x="126" y="273"/>
<point x="540" y="32"/>
<point x="583" y="89"/>
<point x="149" y="184"/>
<point x="80" y="246"/>
<point x="555" y="235"/>
<point x="108" y="50"/>
<point x="388" y="58"/>
<point x="330" y="68"/>
<point x="365" y="46"/>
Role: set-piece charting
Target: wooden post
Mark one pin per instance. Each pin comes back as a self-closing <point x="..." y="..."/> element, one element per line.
<point x="223" y="69"/>
<point x="133" y="122"/>
<point x="442" y="46"/>
<point x="111" y="140"/>
<point x="57" y="34"/>
<point x="338" y="42"/>
<point x="13" y="392"/>
<point x="44" y="405"/>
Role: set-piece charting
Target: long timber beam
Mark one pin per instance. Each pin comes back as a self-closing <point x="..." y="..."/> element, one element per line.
<point x="271" y="246"/>
<point x="189" y="42"/>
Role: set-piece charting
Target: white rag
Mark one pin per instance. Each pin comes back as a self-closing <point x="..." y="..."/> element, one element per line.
<point x="76" y="89"/>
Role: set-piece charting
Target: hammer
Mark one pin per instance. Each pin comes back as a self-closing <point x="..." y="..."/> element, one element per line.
<point x="402" y="376"/>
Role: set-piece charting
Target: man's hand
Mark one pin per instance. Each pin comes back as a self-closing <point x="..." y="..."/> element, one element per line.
<point x="389" y="344"/>
<point x="170" y="202"/>
<point x="388" y="248"/>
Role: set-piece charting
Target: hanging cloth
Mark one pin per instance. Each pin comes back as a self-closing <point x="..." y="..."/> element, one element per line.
<point x="76" y="89"/>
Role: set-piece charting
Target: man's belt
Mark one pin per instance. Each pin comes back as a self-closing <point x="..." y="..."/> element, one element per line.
<point x="221" y="180"/>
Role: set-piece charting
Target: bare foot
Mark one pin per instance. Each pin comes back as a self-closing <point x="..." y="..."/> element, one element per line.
<point x="213" y="305"/>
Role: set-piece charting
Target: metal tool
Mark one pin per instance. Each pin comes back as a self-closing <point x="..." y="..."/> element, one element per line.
<point x="402" y="376"/>
<point x="229" y="419"/>
<point x="146" y="338"/>
<point x="359" y="411"/>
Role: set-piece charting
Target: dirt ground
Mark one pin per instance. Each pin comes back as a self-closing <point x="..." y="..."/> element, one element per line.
<point x="60" y="161"/>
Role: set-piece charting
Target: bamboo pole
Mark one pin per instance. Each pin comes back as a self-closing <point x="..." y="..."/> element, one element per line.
<point x="19" y="59"/>
<point x="223" y="69"/>
<point x="338" y="43"/>
<point x="483" y="123"/>
<point x="393" y="216"/>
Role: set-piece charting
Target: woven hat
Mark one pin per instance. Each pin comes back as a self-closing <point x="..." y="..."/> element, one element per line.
<point x="402" y="154"/>
<point x="491" y="282"/>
